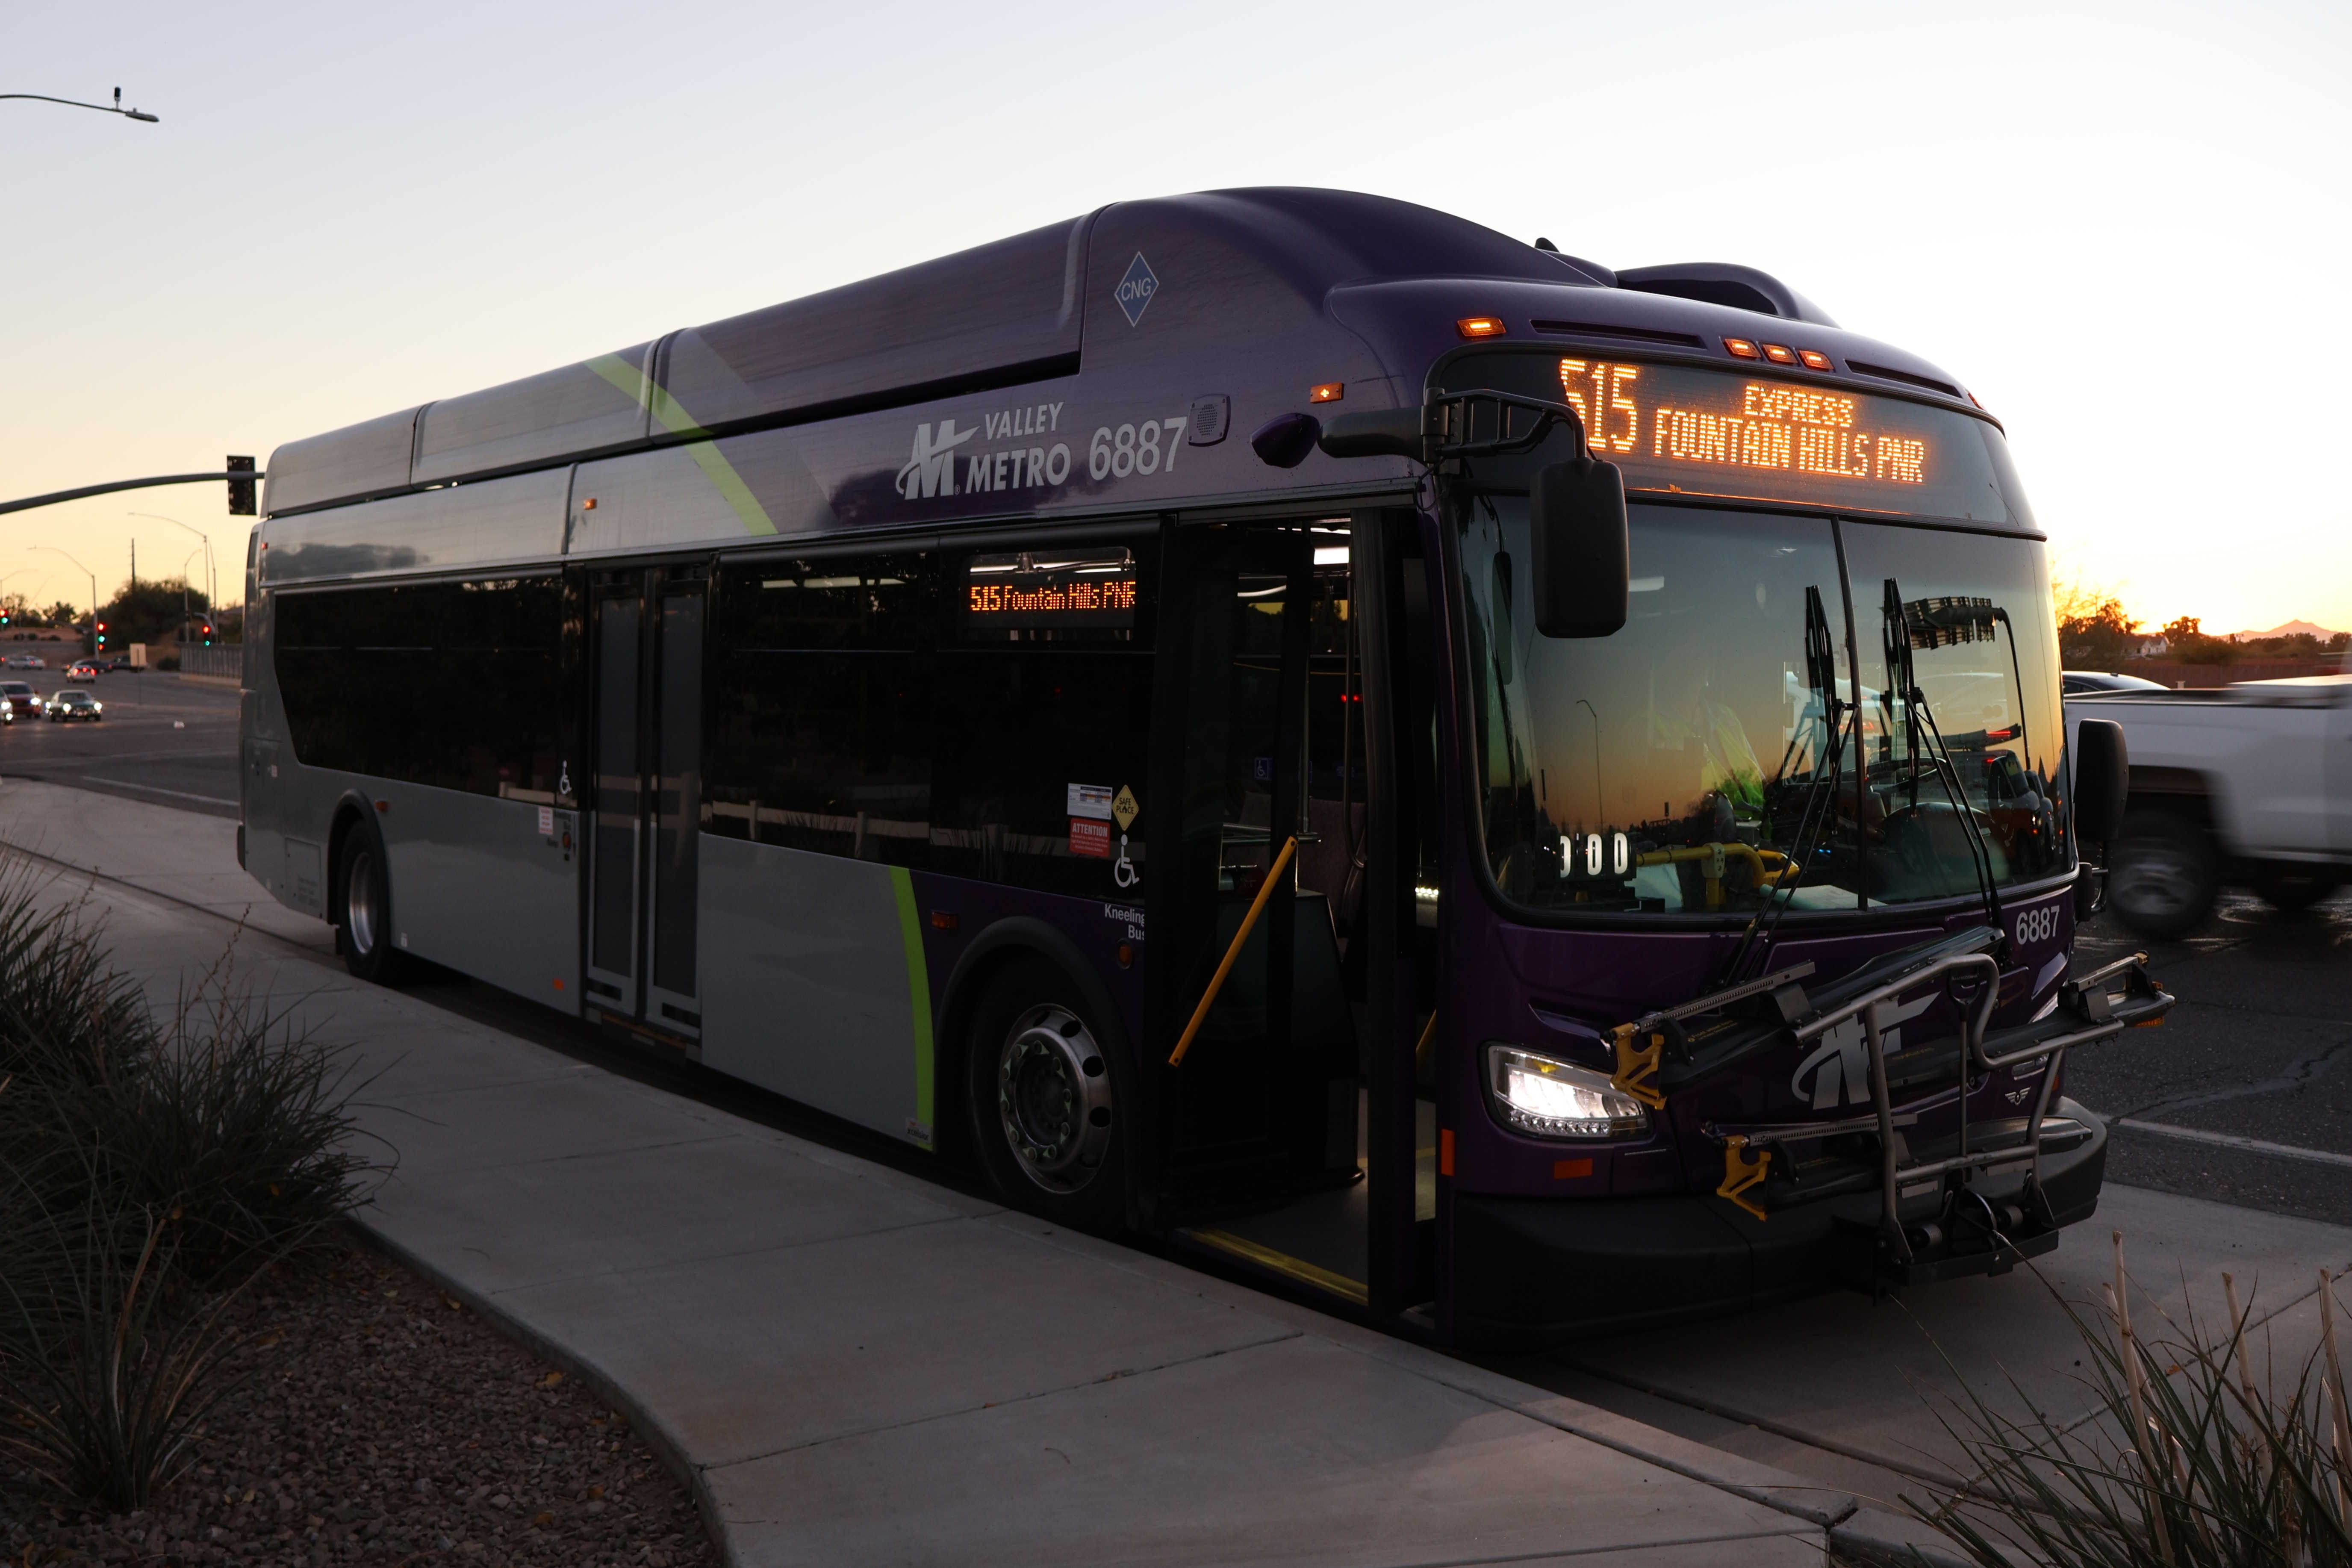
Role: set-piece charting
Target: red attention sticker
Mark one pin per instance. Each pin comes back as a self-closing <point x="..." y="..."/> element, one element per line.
<point x="1090" y="838"/>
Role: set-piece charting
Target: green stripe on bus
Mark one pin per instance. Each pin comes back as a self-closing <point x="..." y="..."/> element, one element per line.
<point x="672" y="418"/>
<point x="919" y="992"/>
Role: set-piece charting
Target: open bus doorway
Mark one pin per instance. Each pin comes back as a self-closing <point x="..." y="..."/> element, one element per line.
<point x="1298" y="1139"/>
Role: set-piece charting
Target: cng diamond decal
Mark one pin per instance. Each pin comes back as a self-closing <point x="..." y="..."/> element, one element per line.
<point x="1135" y="290"/>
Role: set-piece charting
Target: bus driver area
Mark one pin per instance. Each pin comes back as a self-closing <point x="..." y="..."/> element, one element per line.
<point x="1519" y="800"/>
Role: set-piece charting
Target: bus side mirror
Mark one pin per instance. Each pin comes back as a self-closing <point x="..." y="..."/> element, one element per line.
<point x="1578" y="553"/>
<point x="2101" y="780"/>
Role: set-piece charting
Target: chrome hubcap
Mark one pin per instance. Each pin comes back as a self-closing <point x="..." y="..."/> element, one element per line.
<point x="359" y="896"/>
<point x="1053" y="1097"/>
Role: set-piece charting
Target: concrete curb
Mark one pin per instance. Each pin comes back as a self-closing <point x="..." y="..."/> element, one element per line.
<point x="1874" y="1539"/>
<point x="665" y="1443"/>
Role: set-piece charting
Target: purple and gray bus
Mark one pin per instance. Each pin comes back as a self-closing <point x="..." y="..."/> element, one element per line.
<point x="1512" y="797"/>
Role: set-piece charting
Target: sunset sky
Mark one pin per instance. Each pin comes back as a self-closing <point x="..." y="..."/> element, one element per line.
<point x="2112" y="223"/>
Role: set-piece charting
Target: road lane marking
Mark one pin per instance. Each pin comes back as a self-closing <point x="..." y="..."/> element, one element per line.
<point x="2230" y="1140"/>
<point x="175" y="794"/>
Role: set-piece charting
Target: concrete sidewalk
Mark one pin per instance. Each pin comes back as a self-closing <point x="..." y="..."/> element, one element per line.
<point x="853" y="1365"/>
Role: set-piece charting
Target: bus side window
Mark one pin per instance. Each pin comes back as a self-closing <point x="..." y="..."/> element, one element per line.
<point x="1043" y="723"/>
<point x="820" y="733"/>
<point x="450" y="684"/>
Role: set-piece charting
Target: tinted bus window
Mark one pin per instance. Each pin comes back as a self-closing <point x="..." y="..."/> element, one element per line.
<point x="1045" y="711"/>
<point x="450" y="684"/>
<point x="820" y="733"/>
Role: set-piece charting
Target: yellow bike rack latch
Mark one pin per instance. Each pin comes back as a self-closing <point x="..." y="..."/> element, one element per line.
<point x="1742" y="1171"/>
<point x="1637" y="1066"/>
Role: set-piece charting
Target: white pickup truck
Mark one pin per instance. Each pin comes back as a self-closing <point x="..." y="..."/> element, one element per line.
<point x="2249" y="784"/>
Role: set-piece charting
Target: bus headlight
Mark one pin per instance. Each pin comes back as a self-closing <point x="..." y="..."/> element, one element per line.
<point x="1549" y="1098"/>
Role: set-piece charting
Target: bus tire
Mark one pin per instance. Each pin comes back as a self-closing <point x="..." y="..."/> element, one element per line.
<point x="1046" y="1093"/>
<point x="2162" y="874"/>
<point x="362" y="907"/>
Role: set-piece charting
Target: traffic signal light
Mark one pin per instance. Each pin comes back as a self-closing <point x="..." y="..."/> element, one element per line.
<point x="102" y="634"/>
<point x="208" y="634"/>
<point x="240" y="491"/>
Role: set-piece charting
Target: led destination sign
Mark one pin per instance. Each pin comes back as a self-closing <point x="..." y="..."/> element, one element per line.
<point x="1033" y="592"/>
<point x="1695" y="431"/>
<point x="1767" y="425"/>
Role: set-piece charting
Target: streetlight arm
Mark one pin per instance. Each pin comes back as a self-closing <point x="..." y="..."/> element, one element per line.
<point x="77" y="103"/>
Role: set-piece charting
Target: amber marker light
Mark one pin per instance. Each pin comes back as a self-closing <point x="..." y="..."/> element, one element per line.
<point x="1480" y="326"/>
<point x="588" y="505"/>
<point x="1740" y="348"/>
<point x="1329" y="392"/>
<point x="1780" y="353"/>
<point x="1814" y="359"/>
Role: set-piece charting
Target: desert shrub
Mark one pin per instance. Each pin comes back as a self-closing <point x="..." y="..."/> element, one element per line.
<point x="107" y="1356"/>
<point x="2192" y="1458"/>
<point x="148" y="1169"/>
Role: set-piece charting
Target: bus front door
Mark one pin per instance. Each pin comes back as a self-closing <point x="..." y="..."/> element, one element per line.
<point x="646" y="628"/>
<point x="1266" y="1121"/>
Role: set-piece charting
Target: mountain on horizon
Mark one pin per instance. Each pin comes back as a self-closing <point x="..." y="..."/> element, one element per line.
<point x="2288" y="630"/>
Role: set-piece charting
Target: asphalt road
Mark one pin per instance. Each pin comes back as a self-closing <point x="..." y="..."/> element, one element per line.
<point x="163" y="739"/>
<point x="2259" y="1049"/>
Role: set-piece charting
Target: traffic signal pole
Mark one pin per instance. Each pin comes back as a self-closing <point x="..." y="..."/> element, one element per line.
<point x="241" y="481"/>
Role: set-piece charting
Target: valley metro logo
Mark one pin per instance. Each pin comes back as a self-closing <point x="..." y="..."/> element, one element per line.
<point x="930" y="470"/>
<point x="1135" y="290"/>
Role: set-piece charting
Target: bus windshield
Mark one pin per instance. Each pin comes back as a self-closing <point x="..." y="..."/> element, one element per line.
<point x="1722" y="752"/>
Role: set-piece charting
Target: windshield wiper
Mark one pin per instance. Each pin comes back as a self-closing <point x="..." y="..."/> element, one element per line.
<point x="1942" y="622"/>
<point x="1820" y="798"/>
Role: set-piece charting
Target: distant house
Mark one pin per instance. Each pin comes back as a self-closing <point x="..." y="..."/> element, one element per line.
<point x="2152" y="647"/>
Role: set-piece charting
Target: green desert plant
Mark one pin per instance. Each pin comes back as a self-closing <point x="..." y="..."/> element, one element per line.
<point x="144" y="1165"/>
<point x="2188" y="1459"/>
<point x="65" y="1016"/>
<point x="241" y="1124"/>
<point x="110" y="1364"/>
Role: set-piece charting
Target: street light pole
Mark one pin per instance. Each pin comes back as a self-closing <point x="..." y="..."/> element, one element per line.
<point x="212" y="578"/>
<point x="183" y="593"/>
<point x="77" y="103"/>
<point x="93" y="589"/>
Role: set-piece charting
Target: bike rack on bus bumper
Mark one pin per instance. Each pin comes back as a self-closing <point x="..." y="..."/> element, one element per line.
<point x="2086" y="1012"/>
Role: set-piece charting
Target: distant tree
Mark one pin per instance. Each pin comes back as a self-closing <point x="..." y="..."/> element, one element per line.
<point x="151" y="611"/>
<point x="2094" y="632"/>
<point x="60" y="614"/>
<point x="2189" y="644"/>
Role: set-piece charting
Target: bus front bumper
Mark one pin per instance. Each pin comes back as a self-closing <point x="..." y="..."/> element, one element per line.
<point x="1535" y="1271"/>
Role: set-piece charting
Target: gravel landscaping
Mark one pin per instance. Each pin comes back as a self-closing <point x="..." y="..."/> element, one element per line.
<point x="379" y="1421"/>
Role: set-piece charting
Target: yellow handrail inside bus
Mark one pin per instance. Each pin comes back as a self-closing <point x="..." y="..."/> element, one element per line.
<point x="1715" y="854"/>
<point x="1217" y="981"/>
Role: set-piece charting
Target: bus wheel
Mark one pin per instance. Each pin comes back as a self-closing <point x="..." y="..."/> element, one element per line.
<point x="363" y="902"/>
<point x="1045" y="1100"/>
<point x="2161" y="875"/>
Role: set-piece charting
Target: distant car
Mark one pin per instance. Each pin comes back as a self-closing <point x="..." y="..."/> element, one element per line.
<point x="121" y="661"/>
<point x="23" y="701"/>
<point x="69" y="705"/>
<point x="2082" y="682"/>
<point x="82" y="670"/>
<point x="27" y="661"/>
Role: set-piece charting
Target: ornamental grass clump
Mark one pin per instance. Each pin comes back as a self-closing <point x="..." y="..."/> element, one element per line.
<point x="149" y="1168"/>
<point x="2189" y="1456"/>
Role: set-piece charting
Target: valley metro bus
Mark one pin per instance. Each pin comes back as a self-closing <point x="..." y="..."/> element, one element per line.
<point x="1514" y="798"/>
